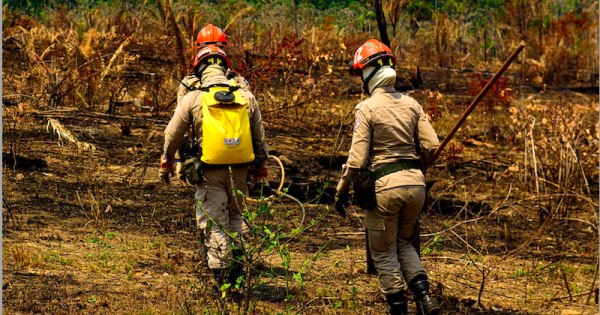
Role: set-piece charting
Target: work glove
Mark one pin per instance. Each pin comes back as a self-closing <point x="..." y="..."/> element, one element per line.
<point x="166" y="169"/>
<point x="342" y="200"/>
<point x="180" y="172"/>
<point x="258" y="174"/>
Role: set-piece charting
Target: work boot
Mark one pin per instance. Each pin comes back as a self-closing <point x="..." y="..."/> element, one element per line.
<point x="426" y="303"/>
<point x="398" y="303"/>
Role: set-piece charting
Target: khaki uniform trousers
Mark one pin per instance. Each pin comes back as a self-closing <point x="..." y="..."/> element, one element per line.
<point x="218" y="202"/>
<point x="391" y="227"/>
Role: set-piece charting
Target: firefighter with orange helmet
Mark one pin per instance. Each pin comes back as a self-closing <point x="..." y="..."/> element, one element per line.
<point x="231" y="134"/>
<point x="210" y="35"/>
<point x="388" y="128"/>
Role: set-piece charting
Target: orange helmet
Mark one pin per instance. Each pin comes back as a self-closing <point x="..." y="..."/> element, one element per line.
<point x="370" y="52"/>
<point x="211" y="55"/>
<point x="211" y="35"/>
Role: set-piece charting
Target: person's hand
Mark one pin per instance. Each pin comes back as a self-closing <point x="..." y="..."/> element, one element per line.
<point x="166" y="168"/>
<point x="258" y="174"/>
<point x="342" y="200"/>
<point x="180" y="172"/>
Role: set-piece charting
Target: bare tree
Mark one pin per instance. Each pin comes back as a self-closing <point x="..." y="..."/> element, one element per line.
<point x="381" y="23"/>
<point x="394" y="9"/>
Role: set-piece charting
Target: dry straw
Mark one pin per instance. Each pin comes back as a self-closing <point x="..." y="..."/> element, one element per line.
<point x="114" y="57"/>
<point x="65" y="134"/>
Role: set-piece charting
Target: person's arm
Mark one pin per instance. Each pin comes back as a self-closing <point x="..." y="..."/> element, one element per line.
<point x="359" y="151"/>
<point x="191" y="81"/>
<point x="428" y="139"/>
<point x="178" y="126"/>
<point x="259" y="139"/>
<point x="181" y="92"/>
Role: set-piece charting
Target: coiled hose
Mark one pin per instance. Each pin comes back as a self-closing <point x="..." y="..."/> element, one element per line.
<point x="279" y="191"/>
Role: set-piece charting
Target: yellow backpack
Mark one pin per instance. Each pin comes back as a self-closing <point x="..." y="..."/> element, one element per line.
<point x="226" y="136"/>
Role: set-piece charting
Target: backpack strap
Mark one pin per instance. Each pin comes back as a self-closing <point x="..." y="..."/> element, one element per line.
<point x="231" y="88"/>
<point x="224" y="98"/>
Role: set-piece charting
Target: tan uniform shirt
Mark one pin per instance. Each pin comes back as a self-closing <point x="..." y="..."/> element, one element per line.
<point x="189" y="111"/>
<point x="194" y="82"/>
<point x="384" y="129"/>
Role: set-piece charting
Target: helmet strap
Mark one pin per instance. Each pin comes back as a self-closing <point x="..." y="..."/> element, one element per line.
<point x="200" y="69"/>
<point x="366" y="81"/>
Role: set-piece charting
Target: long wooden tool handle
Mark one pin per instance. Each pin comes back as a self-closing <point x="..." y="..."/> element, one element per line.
<point x="471" y="107"/>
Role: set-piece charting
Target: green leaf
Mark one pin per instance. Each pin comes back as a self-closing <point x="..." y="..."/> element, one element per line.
<point x="209" y="226"/>
<point x="271" y="246"/>
<point x="225" y="287"/>
<point x="264" y="207"/>
<point x="308" y="260"/>
<point x="238" y="282"/>
<point x="298" y="277"/>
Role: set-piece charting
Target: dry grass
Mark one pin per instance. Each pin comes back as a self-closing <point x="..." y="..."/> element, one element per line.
<point x="63" y="134"/>
<point x="512" y="228"/>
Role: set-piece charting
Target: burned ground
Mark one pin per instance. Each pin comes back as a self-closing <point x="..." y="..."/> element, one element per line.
<point x="512" y="222"/>
<point x="95" y="232"/>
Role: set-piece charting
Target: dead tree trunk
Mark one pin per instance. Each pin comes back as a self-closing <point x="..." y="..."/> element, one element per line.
<point x="295" y="16"/>
<point x="381" y="24"/>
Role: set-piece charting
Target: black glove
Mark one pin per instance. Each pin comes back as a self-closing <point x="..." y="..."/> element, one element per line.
<point x="342" y="200"/>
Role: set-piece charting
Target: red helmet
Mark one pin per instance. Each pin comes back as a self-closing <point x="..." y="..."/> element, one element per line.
<point x="369" y="52"/>
<point x="211" y="55"/>
<point x="211" y="35"/>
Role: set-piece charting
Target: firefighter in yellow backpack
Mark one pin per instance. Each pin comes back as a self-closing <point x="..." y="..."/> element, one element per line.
<point x="209" y="35"/>
<point x="232" y="141"/>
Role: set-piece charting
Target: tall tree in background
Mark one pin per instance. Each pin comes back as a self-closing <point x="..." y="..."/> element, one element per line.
<point x="381" y="24"/>
<point x="294" y="8"/>
<point x="394" y="9"/>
